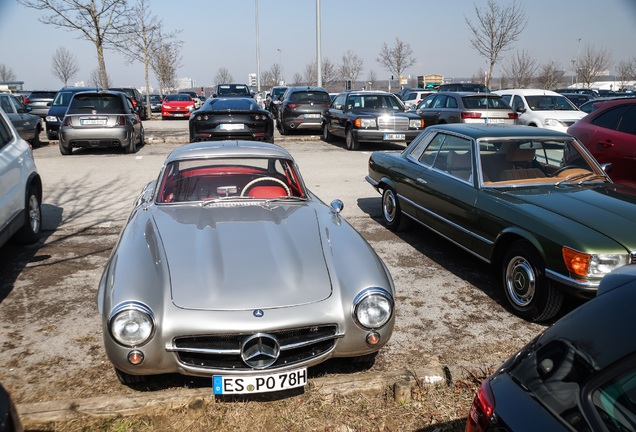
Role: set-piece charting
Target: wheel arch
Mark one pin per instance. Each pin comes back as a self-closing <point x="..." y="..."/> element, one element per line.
<point x="510" y="236"/>
<point x="34" y="180"/>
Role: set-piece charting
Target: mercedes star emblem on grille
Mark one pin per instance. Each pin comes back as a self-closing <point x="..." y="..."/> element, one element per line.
<point x="260" y="351"/>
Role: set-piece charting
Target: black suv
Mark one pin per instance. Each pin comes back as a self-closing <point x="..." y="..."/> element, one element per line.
<point x="138" y="101"/>
<point x="232" y="90"/>
<point x="302" y="108"/>
<point x="370" y="116"/>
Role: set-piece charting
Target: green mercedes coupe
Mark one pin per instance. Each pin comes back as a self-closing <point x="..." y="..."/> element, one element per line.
<point x="532" y="202"/>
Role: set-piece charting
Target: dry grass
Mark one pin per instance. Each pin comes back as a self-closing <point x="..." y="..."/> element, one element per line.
<point x="438" y="408"/>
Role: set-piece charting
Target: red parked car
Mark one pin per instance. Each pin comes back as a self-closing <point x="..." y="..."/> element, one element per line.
<point x="178" y="105"/>
<point x="609" y="133"/>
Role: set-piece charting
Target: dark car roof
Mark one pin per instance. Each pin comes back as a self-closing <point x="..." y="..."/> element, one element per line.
<point x="477" y="131"/>
<point x="225" y="104"/>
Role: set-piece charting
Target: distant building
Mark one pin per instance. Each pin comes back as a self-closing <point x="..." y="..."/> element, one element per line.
<point x="185" y="83"/>
<point x="12" y="85"/>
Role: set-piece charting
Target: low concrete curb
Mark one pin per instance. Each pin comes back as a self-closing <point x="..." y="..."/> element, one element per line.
<point x="127" y="405"/>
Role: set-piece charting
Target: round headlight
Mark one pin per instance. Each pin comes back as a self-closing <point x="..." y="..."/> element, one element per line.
<point x="132" y="325"/>
<point x="373" y="309"/>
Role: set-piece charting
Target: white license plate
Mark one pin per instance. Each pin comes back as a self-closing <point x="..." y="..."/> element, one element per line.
<point x="93" y="122"/>
<point x="494" y="121"/>
<point x="259" y="383"/>
<point x="178" y="115"/>
<point x="394" y="137"/>
<point x="227" y="126"/>
<point x="312" y="115"/>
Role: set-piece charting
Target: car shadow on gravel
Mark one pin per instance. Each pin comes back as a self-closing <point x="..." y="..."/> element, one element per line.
<point x="454" y="259"/>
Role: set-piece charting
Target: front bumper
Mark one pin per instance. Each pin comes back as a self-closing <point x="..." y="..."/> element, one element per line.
<point x="375" y="135"/>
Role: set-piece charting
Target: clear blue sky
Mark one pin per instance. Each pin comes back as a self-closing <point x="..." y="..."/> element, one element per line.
<point x="222" y="33"/>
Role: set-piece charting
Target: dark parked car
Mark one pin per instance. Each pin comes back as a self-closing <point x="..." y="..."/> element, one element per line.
<point x="609" y="133"/>
<point x="155" y="102"/>
<point x="531" y="202"/>
<point x="578" y="375"/>
<point x="449" y="107"/>
<point x="39" y="101"/>
<point x="464" y="87"/>
<point x="58" y="109"/>
<point x="273" y="99"/>
<point x="100" y="120"/>
<point x="9" y="418"/>
<point x="139" y="102"/>
<point x="232" y="90"/>
<point x="302" y="108"/>
<point x="28" y="125"/>
<point x="593" y="104"/>
<point x="578" y="99"/>
<point x="231" y="118"/>
<point x="20" y="188"/>
<point x="587" y="91"/>
<point x="369" y="116"/>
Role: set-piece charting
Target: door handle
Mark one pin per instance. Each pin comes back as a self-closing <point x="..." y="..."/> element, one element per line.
<point x="421" y="180"/>
<point x="606" y="144"/>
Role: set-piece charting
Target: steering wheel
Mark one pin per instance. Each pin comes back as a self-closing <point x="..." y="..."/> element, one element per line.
<point x="261" y="179"/>
<point x="563" y="168"/>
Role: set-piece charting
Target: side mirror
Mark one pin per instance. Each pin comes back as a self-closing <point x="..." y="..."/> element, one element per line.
<point x="214" y="95"/>
<point x="607" y="167"/>
<point x="521" y="110"/>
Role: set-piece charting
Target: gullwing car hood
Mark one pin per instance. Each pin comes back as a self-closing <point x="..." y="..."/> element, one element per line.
<point x="252" y="257"/>
<point x="602" y="208"/>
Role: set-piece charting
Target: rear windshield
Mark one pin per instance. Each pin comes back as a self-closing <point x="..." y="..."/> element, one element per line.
<point x="482" y="102"/>
<point x="233" y="90"/>
<point x="104" y="104"/>
<point x="310" y="96"/>
<point x="42" y="95"/>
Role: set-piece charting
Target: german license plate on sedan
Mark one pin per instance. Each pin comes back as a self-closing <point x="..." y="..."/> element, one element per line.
<point x="233" y="384"/>
<point x="394" y="137"/>
<point x="99" y="122"/>
<point x="494" y="120"/>
<point x="312" y="115"/>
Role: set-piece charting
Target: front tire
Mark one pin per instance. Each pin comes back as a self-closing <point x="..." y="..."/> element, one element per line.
<point x="30" y="231"/>
<point x="352" y="142"/>
<point x="392" y="214"/>
<point x="529" y="292"/>
<point x="35" y="141"/>
<point x="128" y="379"/>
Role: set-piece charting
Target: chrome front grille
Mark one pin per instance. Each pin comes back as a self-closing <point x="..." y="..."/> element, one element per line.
<point x="393" y="123"/>
<point x="224" y="351"/>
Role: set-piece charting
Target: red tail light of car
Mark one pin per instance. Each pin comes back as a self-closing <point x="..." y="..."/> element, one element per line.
<point x="513" y="115"/>
<point x="482" y="410"/>
<point x="121" y="121"/>
<point x="134" y="103"/>
<point x="66" y="121"/>
<point x="26" y="100"/>
<point x="471" y="115"/>
<point x="292" y="105"/>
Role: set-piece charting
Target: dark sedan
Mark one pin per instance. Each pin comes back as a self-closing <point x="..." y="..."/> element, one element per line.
<point x="28" y="125"/>
<point x="580" y="374"/>
<point x="532" y="202"/>
<point x="369" y="116"/>
<point x="231" y="118"/>
<point x="609" y="133"/>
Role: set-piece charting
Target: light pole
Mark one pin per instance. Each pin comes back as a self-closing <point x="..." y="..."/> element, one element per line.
<point x="258" y="53"/>
<point x="318" y="56"/>
<point x="280" y="64"/>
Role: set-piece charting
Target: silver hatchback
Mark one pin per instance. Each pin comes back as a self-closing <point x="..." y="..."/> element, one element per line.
<point x="101" y="119"/>
<point x="466" y="107"/>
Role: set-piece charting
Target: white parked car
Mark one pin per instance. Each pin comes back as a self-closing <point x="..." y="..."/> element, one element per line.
<point x="20" y="187"/>
<point x="542" y="108"/>
<point x="413" y="98"/>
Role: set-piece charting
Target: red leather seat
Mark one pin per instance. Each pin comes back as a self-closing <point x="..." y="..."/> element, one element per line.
<point x="266" y="192"/>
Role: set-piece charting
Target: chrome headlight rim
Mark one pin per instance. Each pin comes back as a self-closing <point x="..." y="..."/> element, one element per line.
<point x="360" y="300"/>
<point x="132" y="306"/>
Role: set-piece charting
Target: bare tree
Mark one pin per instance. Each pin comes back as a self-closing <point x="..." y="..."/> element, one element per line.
<point x="6" y="73"/>
<point x="550" y="75"/>
<point x="223" y="75"/>
<point x="64" y="65"/>
<point x="99" y="21"/>
<point x="140" y="43"/>
<point x="329" y="73"/>
<point x="372" y="77"/>
<point x="626" y="71"/>
<point x="96" y="80"/>
<point x="297" y="79"/>
<point x="592" y="64"/>
<point x="351" y="67"/>
<point x="520" y="70"/>
<point x="273" y="76"/>
<point x="165" y="60"/>
<point x="396" y="59"/>
<point x="497" y="27"/>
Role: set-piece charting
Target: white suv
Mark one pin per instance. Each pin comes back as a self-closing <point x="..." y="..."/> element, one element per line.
<point x="542" y="108"/>
<point x="20" y="188"/>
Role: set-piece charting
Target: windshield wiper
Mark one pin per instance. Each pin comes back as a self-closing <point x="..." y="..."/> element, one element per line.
<point x="592" y="177"/>
<point x="575" y="177"/>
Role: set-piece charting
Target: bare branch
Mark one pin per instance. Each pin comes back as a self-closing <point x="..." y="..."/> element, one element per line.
<point x="396" y="59"/>
<point x="64" y="65"/>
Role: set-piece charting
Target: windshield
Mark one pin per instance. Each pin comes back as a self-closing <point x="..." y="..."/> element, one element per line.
<point x="178" y="97"/>
<point x="229" y="178"/>
<point x="62" y="98"/>
<point x="233" y="90"/>
<point x="374" y="102"/>
<point x="550" y="103"/>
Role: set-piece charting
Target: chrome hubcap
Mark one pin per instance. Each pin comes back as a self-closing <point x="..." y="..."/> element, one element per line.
<point x="520" y="281"/>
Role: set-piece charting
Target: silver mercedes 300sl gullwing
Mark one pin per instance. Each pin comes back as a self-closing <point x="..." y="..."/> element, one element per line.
<point x="230" y="268"/>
